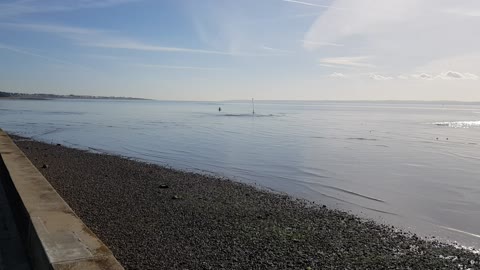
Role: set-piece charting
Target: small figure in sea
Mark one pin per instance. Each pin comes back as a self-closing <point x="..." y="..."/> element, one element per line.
<point x="219" y="109"/>
<point x="447" y="139"/>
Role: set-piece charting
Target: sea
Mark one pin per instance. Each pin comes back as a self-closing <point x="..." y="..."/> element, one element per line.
<point x="413" y="165"/>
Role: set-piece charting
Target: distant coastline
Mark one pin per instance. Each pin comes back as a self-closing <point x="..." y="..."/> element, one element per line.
<point x="39" y="96"/>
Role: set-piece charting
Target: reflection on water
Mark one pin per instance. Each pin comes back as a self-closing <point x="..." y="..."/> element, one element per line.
<point x="247" y="115"/>
<point x="412" y="165"/>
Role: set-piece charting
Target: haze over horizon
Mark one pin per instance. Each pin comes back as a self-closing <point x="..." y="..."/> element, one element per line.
<point x="229" y="50"/>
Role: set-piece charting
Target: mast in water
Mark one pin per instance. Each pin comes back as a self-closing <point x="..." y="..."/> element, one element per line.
<point x="253" y="106"/>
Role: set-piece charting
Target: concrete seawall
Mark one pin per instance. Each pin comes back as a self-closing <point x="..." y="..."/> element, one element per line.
<point x="53" y="236"/>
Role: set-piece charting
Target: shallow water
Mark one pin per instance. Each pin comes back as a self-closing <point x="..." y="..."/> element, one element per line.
<point x="416" y="166"/>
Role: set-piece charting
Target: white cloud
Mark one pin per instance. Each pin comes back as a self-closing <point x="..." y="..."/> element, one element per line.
<point x="333" y="26"/>
<point x="453" y="75"/>
<point x="424" y="76"/>
<point x="471" y="76"/>
<point x="446" y="75"/>
<point x="450" y="75"/>
<point x="465" y="63"/>
<point x="337" y="75"/>
<point x="349" y="62"/>
<point x="378" y="77"/>
<point x="408" y="33"/>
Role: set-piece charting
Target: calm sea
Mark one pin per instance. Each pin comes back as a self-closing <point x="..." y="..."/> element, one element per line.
<point x="415" y="166"/>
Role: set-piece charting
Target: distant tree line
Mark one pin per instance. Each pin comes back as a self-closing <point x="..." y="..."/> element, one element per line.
<point x="5" y="94"/>
<point x="53" y="96"/>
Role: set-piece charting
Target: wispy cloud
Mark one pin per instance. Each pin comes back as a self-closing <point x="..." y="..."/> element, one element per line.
<point x="44" y="57"/>
<point x="388" y="33"/>
<point x="306" y="3"/>
<point x="139" y="46"/>
<point x="107" y="39"/>
<point x="179" y="67"/>
<point x="21" y="7"/>
<point x="378" y="77"/>
<point x="278" y="19"/>
<point x="128" y="61"/>
<point x="130" y="44"/>
<point x="346" y="62"/>
<point x="310" y="43"/>
<point x="275" y="50"/>
<point x="337" y="75"/>
<point x="51" y="28"/>
<point x="464" y="12"/>
<point x="104" y="57"/>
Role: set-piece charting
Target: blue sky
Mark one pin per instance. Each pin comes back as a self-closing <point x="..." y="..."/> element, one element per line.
<point x="230" y="49"/>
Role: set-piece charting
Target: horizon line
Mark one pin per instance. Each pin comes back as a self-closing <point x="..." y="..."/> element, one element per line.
<point x="250" y="99"/>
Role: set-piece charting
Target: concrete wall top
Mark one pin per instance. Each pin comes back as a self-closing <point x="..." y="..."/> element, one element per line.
<point x="64" y="238"/>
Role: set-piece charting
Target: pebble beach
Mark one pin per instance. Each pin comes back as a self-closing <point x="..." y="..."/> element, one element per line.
<point x="154" y="217"/>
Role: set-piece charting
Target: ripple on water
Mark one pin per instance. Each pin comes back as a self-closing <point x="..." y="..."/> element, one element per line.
<point x="362" y="139"/>
<point x="248" y="115"/>
<point x="458" y="124"/>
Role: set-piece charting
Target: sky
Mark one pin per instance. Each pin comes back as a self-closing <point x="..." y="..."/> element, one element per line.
<point x="232" y="49"/>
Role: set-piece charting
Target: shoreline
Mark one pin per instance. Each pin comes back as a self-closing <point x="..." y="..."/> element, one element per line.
<point x="153" y="217"/>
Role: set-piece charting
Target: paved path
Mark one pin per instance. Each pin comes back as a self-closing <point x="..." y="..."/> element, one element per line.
<point x="12" y="255"/>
